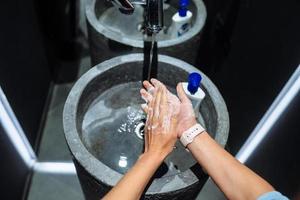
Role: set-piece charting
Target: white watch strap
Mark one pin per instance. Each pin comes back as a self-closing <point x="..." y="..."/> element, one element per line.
<point x="188" y="136"/>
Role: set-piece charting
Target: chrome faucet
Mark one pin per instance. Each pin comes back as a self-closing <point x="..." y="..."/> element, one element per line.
<point x="154" y="16"/>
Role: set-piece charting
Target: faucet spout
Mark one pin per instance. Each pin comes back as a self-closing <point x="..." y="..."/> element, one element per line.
<point x="127" y="6"/>
<point x="153" y="12"/>
<point x="154" y="19"/>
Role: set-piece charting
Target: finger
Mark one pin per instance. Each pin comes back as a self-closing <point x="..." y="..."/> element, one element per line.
<point x="174" y="125"/>
<point x="146" y="95"/>
<point x="181" y="94"/>
<point x="152" y="99"/>
<point x="149" y="124"/>
<point x="147" y="129"/>
<point x="157" y="106"/>
<point x="150" y="110"/>
<point x="151" y="105"/>
<point x="149" y="87"/>
<point x="148" y="120"/>
<point x="164" y="103"/>
<point x="145" y="107"/>
<point x="165" y="115"/>
<point x="156" y="83"/>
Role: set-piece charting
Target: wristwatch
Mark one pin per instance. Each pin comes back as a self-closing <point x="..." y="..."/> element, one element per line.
<point x="189" y="135"/>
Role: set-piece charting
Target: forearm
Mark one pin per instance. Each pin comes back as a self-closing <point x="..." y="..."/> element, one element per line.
<point x="132" y="185"/>
<point x="234" y="179"/>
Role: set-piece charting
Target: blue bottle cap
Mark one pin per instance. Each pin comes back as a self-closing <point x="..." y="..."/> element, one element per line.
<point x="183" y="3"/>
<point x="182" y="12"/>
<point x="183" y="7"/>
<point x="194" y="82"/>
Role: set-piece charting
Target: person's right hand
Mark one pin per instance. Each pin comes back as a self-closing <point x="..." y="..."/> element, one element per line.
<point x="186" y="118"/>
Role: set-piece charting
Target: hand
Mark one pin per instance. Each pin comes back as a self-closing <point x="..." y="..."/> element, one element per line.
<point x="183" y="105"/>
<point x="161" y="124"/>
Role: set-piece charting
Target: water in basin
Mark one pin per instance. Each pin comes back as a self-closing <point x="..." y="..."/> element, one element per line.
<point x="109" y="131"/>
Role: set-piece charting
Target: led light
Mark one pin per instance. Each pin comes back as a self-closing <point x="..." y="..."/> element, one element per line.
<point x="281" y="102"/>
<point x="14" y="132"/>
<point x="55" y="168"/>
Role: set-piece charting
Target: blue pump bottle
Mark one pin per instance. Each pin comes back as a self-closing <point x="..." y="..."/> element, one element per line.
<point x="181" y="20"/>
<point x="193" y="91"/>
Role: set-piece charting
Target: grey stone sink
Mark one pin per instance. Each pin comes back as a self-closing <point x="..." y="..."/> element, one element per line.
<point x="112" y="33"/>
<point x="103" y="122"/>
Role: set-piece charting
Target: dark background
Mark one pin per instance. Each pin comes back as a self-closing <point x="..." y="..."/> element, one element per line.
<point x="37" y="48"/>
<point x="249" y="49"/>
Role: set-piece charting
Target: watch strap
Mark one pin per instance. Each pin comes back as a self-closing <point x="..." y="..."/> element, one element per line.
<point x="189" y="135"/>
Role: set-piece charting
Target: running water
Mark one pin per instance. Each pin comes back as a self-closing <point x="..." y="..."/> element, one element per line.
<point x="153" y="37"/>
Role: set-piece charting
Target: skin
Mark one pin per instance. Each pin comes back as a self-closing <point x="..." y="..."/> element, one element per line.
<point x="167" y="118"/>
<point x="160" y="138"/>
<point x="183" y="105"/>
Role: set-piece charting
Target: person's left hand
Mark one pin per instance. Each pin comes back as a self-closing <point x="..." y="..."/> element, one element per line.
<point x="160" y="129"/>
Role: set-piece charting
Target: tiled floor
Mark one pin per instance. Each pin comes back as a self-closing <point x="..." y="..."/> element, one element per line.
<point x="53" y="134"/>
<point x="55" y="187"/>
<point x="53" y="148"/>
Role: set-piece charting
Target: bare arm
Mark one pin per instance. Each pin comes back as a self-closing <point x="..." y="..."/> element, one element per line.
<point x="132" y="185"/>
<point x="160" y="138"/>
<point x="233" y="178"/>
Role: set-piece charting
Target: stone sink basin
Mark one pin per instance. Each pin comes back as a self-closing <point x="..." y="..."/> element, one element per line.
<point x="103" y="125"/>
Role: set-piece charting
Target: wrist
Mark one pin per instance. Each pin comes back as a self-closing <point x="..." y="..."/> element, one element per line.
<point x="154" y="156"/>
<point x="187" y="125"/>
<point x="199" y="140"/>
<point x="190" y="134"/>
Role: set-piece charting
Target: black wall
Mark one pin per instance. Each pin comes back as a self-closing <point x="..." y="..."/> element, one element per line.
<point x="37" y="46"/>
<point x="250" y="50"/>
<point x="25" y="79"/>
<point x="13" y="171"/>
<point x="24" y="72"/>
<point x="250" y="56"/>
<point x="277" y="158"/>
<point x="58" y="20"/>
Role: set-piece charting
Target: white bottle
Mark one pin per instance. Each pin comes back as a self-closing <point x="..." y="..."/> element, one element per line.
<point x="181" y="21"/>
<point x="198" y="94"/>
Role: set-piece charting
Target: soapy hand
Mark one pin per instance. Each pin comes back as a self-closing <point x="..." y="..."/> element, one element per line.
<point x="161" y="124"/>
<point x="183" y="105"/>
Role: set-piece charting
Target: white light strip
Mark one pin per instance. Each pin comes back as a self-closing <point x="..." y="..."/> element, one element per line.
<point x="281" y="102"/>
<point x="14" y="132"/>
<point x="55" y="168"/>
<point x="16" y="135"/>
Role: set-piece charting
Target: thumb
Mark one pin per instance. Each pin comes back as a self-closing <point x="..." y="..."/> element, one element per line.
<point x="181" y="94"/>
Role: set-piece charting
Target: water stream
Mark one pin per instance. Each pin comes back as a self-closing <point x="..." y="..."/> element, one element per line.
<point x="153" y="40"/>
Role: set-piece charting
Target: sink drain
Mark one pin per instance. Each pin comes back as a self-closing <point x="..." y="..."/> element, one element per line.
<point x="139" y="130"/>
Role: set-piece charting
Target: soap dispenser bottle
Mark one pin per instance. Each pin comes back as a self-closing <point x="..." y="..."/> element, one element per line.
<point x="181" y="20"/>
<point x="193" y="91"/>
